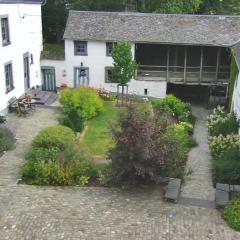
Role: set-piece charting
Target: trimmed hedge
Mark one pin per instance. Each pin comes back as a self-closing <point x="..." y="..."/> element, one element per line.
<point x="54" y="137"/>
<point x="78" y="105"/>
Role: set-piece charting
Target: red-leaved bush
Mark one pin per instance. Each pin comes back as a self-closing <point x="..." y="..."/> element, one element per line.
<point x="143" y="152"/>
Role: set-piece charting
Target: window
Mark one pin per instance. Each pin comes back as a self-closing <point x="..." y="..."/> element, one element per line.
<point x="145" y="91"/>
<point x="5" y="31"/>
<point x="108" y="75"/>
<point x="8" y="77"/>
<point x="80" y="48"/>
<point x="109" y="48"/>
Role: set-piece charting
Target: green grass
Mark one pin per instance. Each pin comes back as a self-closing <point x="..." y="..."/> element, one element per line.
<point x="98" y="140"/>
<point x="53" y="49"/>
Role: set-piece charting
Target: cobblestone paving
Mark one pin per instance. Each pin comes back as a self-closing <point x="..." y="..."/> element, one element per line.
<point x="199" y="184"/>
<point x="54" y="213"/>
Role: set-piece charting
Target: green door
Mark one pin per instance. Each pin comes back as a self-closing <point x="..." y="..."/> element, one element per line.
<point x="49" y="80"/>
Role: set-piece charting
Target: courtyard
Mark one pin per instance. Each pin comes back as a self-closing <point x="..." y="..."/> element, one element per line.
<point x="34" y="212"/>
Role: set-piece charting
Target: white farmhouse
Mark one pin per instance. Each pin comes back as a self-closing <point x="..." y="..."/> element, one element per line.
<point x="171" y="50"/>
<point x="20" y="48"/>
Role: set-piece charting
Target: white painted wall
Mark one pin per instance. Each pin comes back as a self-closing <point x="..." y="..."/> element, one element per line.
<point x="96" y="61"/>
<point x="25" y="28"/>
<point x="236" y="97"/>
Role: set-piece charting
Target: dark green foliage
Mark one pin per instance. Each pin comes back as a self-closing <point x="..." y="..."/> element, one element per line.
<point x="6" y="140"/>
<point x="54" y="137"/>
<point x="232" y="214"/>
<point x="74" y="119"/>
<point x="173" y="105"/>
<point x="54" y="15"/>
<point x="220" y="6"/>
<point x="226" y="168"/>
<point x="143" y="152"/>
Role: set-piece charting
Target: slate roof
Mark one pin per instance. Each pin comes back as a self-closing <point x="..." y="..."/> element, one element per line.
<point x="21" y="1"/>
<point x="210" y="30"/>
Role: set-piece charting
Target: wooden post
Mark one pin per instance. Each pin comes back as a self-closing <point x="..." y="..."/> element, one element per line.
<point x="201" y="66"/>
<point x="176" y="58"/>
<point x="217" y="64"/>
<point x="168" y="51"/>
<point x="185" y="65"/>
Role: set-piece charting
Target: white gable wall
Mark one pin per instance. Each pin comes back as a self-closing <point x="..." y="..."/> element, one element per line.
<point x="96" y="61"/>
<point x="26" y="37"/>
<point x="236" y="97"/>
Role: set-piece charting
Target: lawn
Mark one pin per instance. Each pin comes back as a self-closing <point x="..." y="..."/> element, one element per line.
<point x="97" y="139"/>
<point x="53" y="50"/>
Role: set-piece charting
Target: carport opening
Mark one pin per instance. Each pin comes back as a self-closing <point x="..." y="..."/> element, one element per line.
<point x="197" y="94"/>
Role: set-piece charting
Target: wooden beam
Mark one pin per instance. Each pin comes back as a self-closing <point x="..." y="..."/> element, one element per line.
<point x="168" y="51"/>
<point x="218" y="62"/>
<point x="201" y="66"/>
<point x="185" y="65"/>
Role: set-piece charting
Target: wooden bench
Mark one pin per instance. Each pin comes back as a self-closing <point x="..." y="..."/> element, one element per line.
<point x="173" y="190"/>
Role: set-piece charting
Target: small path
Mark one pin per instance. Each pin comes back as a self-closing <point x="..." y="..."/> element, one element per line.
<point x="199" y="184"/>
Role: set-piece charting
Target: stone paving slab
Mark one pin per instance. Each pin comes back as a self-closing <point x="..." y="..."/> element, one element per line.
<point x="199" y="184"/>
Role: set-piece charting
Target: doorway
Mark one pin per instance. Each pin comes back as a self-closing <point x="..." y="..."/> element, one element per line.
<point x="49" y="80"/>
<point x="81" y="76"/>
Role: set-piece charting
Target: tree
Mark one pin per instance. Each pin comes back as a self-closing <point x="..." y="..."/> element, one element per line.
<point x="220" y="6"/>
<point x="54" y="14"/>
<point x="124" y="67"/>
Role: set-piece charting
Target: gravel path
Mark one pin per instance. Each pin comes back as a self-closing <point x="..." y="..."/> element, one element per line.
<point x="199" y="184"/>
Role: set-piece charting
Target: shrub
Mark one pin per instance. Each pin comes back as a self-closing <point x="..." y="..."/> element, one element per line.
<point x="181" y="110"/>
<point x="220" y="144"/>
<point x="226" y="168"/>
<point x="6" y="140"/>
<point x="232" y="214"/>
<point x="180" y="134"/>
<point x="82" y="99"/>
<point x="74" y="119"/>
<point x="54" y="137"/>
<point x="79" y="105"/>
<point x="143" y="152"/>
<point x="222" y="123"/>
<point x="54" y="167"/>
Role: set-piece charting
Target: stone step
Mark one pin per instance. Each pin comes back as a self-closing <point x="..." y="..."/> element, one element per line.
<point x="173" y="190"/>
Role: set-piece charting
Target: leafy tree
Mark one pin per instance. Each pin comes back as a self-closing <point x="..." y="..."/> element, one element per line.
<point x="96" y="5"/>
<point x="124" y="67"/>
<point x="220" y="6"/>
<point x="54" y="14"/>
<point x="169" y="6"/>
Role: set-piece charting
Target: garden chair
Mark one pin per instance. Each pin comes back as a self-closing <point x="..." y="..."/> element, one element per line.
<point x="23" y="109"/>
